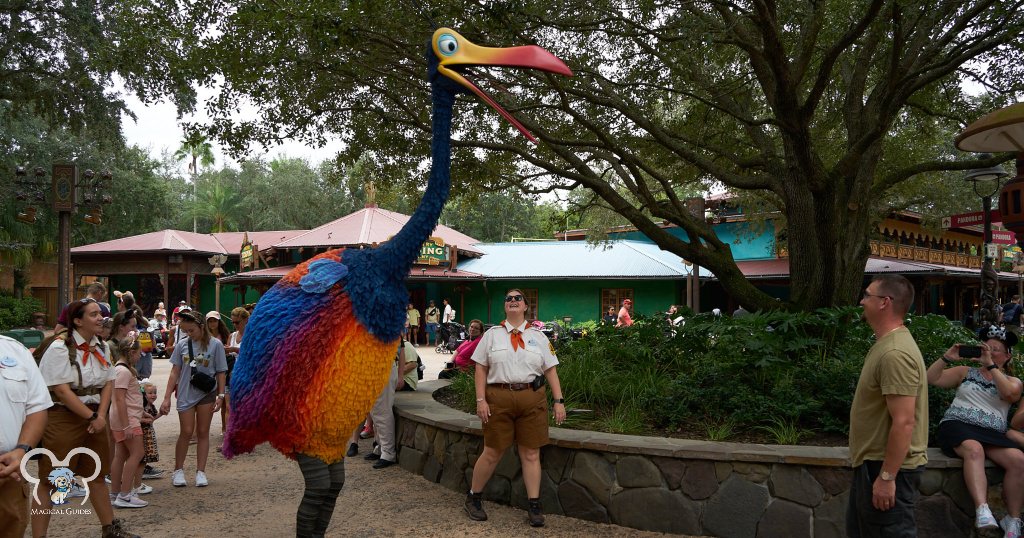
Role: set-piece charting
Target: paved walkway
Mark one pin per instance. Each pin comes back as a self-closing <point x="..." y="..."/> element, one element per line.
<point x="256" y="496"/>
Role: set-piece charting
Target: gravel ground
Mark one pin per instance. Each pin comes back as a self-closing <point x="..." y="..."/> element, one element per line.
<point x="256" y="496"/>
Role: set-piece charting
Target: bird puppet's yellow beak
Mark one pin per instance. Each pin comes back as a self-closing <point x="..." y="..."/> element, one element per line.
<point x="453" y="50"/>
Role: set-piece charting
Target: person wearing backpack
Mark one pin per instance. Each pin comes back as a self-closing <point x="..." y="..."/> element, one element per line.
<point x="1011" y="314"/>
<point x="76" y="366"/>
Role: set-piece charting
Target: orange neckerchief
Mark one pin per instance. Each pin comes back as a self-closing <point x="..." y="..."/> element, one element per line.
<point x="87" y="350"/>
<point x="517" y="337"/>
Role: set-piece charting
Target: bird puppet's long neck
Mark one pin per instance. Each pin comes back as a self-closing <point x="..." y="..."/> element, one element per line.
<point x="405" y="246"/>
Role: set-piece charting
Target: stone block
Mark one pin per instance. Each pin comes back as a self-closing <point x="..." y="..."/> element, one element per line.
<point x="753" y="472"/>
<point x="432" y="470"/>
<point x="938" y="517"/>
<point x="784" y="519"/>
<point x="700" y="480"/>
<point x="594" y="473"/>
<point x="421" y="442"/>
<point x="830" y="516"/>
<point x="656" y="509"/>
<point x="834" y="480"/>
<point x="411" y="460"/>
<point x="955" y="488"/>
<point x="931" y="482"/>
<point x="407" y="433"/>
<point x="722" y="470"/>
<point x="795" y="484"/>
<point x="508" y="466"/>
<point x="498" y="489"/>
<point x="440" y="444"/>
<point x="577" y="502"/>
<point x="548" y="496"/>
<point x="453" y="475"/>
<point x="555" y="462"/>
<point x="637" y="472"/>
<point x="735" y="509"/>
<point x="673" y="469"/>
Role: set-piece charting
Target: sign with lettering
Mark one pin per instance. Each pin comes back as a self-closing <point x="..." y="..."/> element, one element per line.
<point x="976" y="218"/>
<point x="1003" y="237"/>
<point x="247" y="256"/>
<point x="433" y="252"/>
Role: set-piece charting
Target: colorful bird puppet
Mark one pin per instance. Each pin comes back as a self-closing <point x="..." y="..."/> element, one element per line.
<point x="319" y="347"/>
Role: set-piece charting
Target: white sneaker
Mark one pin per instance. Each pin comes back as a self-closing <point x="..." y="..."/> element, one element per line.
<point x="201" y="479"/>
<point x="131" y="501"/>
<point x="178" y="478"/>
<point x="144" y="489"/>
<point x="76" y="491"/>
<point x="1011" y="526"/>
<point x="983" y="517"/>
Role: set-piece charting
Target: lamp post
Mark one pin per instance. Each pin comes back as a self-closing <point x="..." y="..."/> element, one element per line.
<point x="216" y="261"/>
<point x="66" y="187"/>
<point x="986" y="183"/>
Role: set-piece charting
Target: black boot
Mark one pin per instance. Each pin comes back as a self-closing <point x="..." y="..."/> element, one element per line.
<point x="475" y="508"/>
<point x="535" y="513"/>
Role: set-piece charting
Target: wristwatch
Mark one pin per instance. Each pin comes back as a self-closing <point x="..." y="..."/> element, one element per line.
<point x="992" y="367"/>
<point x="220" y="395"/>
<point x="559" y="400"/>
<point x="26" y="448"/>
<point x="886" y="476"/>
<point x="94" y="416"/>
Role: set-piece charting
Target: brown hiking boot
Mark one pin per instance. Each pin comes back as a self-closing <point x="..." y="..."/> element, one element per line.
<point x="116" y="530"/>
<point x="535" y="513"/>
<point x="474" y="507"/>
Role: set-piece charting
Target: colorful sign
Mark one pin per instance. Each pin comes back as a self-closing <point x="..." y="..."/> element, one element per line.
<point x="1003" y="237"/>
<point x="433" y="252"/>
<point x="63" y="184"/>
<point x="976" y="218"/>
<point x="247" y="255"/>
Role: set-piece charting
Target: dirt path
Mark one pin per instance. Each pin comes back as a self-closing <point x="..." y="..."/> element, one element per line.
<point x="256" y="496"/>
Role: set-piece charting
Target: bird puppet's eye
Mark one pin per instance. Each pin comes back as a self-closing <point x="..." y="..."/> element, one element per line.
<point x="447" y="44"/>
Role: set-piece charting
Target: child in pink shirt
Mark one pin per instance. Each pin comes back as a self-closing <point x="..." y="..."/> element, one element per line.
<point x="126" y="422"/>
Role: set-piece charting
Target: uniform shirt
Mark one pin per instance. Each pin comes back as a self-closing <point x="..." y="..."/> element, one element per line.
<point x="57" y="369"/>
<point x="22" y="391"/>
<point x="505" y="365"/>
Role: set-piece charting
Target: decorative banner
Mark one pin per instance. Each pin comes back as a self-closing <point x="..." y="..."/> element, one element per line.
<point x="63" y="183"/>
<point x="433" y="252"/>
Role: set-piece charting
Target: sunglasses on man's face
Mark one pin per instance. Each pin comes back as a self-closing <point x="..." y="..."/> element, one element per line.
<point x="513" y="298"/>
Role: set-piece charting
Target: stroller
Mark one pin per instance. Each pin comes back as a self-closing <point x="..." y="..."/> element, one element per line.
<point x="450" y="336"/>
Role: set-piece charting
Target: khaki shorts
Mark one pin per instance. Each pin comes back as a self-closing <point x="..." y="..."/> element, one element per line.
<point x="13" y="508"/>
<point x="516" y="415"/>
<point x="65" y="431"/>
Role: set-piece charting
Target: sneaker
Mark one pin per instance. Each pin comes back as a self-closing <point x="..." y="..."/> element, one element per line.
<point x="353" y="450"/>
<point x="131" y="501"/>
<point x="106" y="478"/>
<point x="372" y="456"/>
<point x="475" y="508"/>
<point x="535" y="513"/>
<point x="178" y="478"/>
<point x="144" y="490"/>
<point x="76" y="491"/>
<point x="150" y="473"/>
<point x="383" y="463"/>
<point x="366" y="433"/>
<point x="201" y="479"/>
<point x="116" y="529"/>
<point x="1011" y="526"/>
<point x="983" y="517"/>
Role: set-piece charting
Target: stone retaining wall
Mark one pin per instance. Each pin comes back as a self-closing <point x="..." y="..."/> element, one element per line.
<point x="674" y="485"/>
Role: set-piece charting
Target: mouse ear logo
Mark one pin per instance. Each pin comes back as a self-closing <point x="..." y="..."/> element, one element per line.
<point x="34" y="480"/>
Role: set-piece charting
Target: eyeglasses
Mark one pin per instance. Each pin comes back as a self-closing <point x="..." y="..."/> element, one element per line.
<point x="513" y="298"/>
<point x="866" y="295"/>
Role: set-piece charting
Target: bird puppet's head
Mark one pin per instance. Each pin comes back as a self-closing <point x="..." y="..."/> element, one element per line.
<point x="451" y="57"/>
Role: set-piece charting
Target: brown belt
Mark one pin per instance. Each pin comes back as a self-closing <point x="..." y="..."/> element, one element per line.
<point x="511" y="386"/>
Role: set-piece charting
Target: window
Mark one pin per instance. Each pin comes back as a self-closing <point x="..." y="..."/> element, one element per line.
<point x="531" y="300"/>
<point x="613" y="297"/>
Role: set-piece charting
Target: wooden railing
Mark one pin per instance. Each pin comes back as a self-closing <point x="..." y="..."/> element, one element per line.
<point x="922" y="254"/>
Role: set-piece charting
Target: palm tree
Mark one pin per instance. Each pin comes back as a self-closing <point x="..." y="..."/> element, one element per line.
<point x="220" y="205"/>
<point x="197" y="148"/>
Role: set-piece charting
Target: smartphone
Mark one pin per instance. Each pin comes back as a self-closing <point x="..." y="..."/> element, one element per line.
<point x="969" y="352"/>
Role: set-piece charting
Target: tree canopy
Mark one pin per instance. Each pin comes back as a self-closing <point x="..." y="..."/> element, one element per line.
<point x="826" y="110"/>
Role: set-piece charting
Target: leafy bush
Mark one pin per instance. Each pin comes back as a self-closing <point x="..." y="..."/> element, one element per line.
<point x="782" y="374"/>
<point x="17" y="312"/>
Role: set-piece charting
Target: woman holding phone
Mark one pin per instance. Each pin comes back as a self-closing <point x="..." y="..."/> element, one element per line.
<point x="974" y="427"/>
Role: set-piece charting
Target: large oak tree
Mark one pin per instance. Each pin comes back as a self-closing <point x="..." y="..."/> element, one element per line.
<point x="823" y="108"/>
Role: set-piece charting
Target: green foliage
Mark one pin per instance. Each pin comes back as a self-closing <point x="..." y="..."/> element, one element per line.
<point x="782" y="374"/>
<point x="16" y="313"/>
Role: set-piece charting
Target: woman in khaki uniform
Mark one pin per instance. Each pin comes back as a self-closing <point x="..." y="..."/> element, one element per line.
<point x="513" y="359"/>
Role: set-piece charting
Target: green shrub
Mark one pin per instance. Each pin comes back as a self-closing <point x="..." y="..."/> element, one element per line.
<point x="16" y="313"/>
<point x="785" y="375"/>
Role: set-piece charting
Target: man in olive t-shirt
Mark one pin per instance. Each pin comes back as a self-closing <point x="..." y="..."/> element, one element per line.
<point x="888" y="418"/>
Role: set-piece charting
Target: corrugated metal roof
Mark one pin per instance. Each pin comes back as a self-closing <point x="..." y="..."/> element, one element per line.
<point x="575" y="259"/>
<point x="162" y="241"/>
<point x="367" y="226"/>
<point x="779" y="268"/>
<point x="232" y="241"/>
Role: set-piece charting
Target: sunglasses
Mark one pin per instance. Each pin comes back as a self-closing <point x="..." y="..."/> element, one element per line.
<point x="88" y="300"/>
<point x="513" y="298"/>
